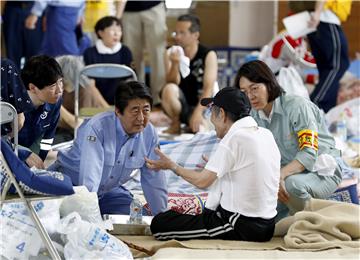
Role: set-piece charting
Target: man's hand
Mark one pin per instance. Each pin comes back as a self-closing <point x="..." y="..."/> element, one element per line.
<point x="314" y="21"/>
<point x="196" y="120"/>
<point x="175" y="56"/>
<point x="164" y="162"/>
<point x="35" y="160"/>
<point x="283" y="195"/>
<point x="30" y="21"/>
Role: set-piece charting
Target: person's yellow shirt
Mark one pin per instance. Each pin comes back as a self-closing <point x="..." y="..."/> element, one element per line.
<point x="342" y="8"/>
<point x="94" y="10"/>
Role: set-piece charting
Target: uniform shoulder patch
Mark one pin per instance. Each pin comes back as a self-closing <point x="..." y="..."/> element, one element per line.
<point x="91" y="138"/>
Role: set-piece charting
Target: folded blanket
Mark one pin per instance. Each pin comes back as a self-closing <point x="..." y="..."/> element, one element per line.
<point x="325" y="224"/>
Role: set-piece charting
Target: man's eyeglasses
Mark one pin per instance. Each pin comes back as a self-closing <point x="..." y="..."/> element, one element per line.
<point x="174" y="34"/>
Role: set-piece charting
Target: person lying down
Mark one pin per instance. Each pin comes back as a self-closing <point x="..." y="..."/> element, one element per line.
<point x="246" y="165"/>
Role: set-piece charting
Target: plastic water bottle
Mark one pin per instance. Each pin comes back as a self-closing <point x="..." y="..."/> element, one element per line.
<point x="136" y="211"/>
<point x="341" y="130"/>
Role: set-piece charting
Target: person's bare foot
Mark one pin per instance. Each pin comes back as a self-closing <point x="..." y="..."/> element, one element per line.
<point x="174" y="129"/>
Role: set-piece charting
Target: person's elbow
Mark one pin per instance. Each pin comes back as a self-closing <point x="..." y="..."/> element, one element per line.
<point x="205" y="180"/>
<point x="307" y="158"/>
<point x="202" y="185"/>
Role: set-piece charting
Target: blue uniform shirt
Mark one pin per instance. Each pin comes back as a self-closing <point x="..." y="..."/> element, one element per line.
<point x="13" y="91"/>
<point x="40" y="6"/>
<point x="103" y="157"/>
<point x="39" y="129"/>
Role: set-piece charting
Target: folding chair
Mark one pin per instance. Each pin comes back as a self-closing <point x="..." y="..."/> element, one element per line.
<point x="9" y="114"/>
<point x="101" y="70"/>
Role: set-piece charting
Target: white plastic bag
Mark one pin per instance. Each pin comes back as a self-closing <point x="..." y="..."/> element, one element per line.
<point x="19" y="236"/>
<point x="47" y="211"/>
<point x="83" y="202"/>
<point x="290" y="80"/>
<point x="89" y="241"/>
<point x="351" y="110"/>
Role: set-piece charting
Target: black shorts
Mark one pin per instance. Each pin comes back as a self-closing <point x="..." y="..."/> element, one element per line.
<point x="186" y="109"/>
<point x="218" y="224"/>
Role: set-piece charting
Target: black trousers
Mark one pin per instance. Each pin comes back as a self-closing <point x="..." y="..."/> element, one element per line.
<point x="330" y="49"/>
<point x="218" y="224"/>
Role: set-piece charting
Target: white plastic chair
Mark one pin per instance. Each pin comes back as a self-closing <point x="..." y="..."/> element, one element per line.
<point x="9" y="115"/>
<point x="101" y="70"/>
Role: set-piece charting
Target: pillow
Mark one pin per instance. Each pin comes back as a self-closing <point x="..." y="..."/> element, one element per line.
<point x="346" y="194"/>
<point x="38" y="182"/>
<point x="184" y="203"/>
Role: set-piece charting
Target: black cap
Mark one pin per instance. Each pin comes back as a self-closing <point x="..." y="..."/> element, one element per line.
<point x="230" y="99"/>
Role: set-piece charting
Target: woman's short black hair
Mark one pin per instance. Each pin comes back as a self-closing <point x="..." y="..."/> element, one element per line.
<point x="106" y="22"/>
<point x="42" y="71"/>
<point x="128" y="90"/>
<point x="257" y="71"/>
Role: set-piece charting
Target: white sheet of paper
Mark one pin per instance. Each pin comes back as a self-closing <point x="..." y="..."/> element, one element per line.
<point x="297" y="24"/>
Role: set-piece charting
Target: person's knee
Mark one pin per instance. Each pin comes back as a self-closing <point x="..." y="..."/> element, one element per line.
<point x="299" y="192"/>
<point x="296" y="188"/>
<point x="169" y="90"/>
<point x="170" y="97"/>
<point x="157" y="223"/>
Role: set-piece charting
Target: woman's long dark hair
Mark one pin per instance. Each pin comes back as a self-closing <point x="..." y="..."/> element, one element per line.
<point x="257" y="71"/>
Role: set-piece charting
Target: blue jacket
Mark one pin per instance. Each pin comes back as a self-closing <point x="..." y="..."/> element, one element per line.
<point x="39" y="129"/>
<point x="103" y="157"/>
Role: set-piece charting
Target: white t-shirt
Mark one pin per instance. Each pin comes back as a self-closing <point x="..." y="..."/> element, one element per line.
<point x="327" y="16"/>
<point x="247" y="164"/>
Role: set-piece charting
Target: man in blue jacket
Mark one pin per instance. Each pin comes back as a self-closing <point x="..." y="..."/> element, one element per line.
<point x="110" y="146"/>
<point x="42" y="77"/>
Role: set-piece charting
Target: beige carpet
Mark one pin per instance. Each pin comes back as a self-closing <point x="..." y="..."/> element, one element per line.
<point x="323" y="225"/>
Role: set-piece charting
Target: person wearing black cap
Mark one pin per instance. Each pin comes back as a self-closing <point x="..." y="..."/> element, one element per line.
<point x="243" y="173"/>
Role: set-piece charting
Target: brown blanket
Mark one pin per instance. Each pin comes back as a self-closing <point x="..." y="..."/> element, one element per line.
<point x="325" y="224"/>
<point x="322" y="225"/>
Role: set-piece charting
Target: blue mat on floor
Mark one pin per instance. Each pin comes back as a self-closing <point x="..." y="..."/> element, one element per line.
<point x="347" y="194"/>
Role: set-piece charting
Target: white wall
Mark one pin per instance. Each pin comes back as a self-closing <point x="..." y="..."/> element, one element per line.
<point x="251" y="23"/>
